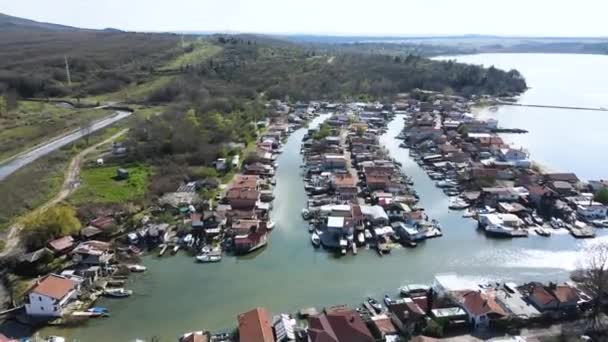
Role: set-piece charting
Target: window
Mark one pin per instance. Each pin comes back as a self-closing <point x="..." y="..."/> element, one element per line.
<point x="42" y="308"/>
<point x="40" y="298"/>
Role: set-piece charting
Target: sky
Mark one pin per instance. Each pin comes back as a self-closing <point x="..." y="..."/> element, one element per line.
<point x="341" y="17"/>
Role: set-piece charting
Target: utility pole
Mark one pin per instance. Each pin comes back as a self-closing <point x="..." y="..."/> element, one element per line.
<point x="67" y="70"/>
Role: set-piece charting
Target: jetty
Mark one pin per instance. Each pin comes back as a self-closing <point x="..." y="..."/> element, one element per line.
<point x="600" y="109"/>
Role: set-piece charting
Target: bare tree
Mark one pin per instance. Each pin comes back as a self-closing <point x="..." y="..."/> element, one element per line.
<point x="594" y="278"/>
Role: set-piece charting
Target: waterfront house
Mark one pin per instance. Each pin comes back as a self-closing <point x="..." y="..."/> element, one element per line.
<point x="254" y="326"/>
<point x="482" y="308"/>
<point x="396" y="211"/>
<point x="563" y="188"/>
<point x="50" y="295"/>
<point x="61" y="245"/>
<point x="382" y="327"/>
<point x="553" y="297"/>
<point x="540" y="196"/>
<point x="92" y="253"/>
<point x="245" y="182"/>
<point x="377" y="182"/>
<point x="259" y="169"/>
<point x="407" y="316"/>
<point x="334" y="162"/>
<point x="242" y="198"/>
<point x="408" y="233"/>
<point x="338" y="324"/>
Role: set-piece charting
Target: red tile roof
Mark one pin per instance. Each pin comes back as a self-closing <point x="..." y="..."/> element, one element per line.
<point x="53" y="286"/>
<point x="565" y="294"/>
<point x="480" y="304"/>
<point x="254" y="326"/>
<point x="235" y="194"/>
<point x="542" y="296"/>
<point x="339" y="325"/>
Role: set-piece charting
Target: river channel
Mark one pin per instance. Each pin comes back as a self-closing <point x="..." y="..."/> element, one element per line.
<point x="177" y="295"/>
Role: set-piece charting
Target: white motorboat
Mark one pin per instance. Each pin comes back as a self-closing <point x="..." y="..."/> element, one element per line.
<point x="315" y="239"/>
<point x="361" y="238"/>
<point x="542" y="231"/>
<point x="137" y="268"/>
<point x="270" y="225"/>
<point x="54" y="339"/>
<point x="504" y="231"/>
<point x="458" y="204"/>
<point x="305" y="214"/>
<point x="208" y="258"/>
<point x="117" y="293"/>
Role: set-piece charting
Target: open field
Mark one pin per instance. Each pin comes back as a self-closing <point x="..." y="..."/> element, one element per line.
<point x="32" y="123"/>
<point x="98" y="184"/>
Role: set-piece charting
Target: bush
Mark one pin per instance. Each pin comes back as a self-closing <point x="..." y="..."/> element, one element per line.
<point x="434" y="329"/>
<point x="2" y="245"/>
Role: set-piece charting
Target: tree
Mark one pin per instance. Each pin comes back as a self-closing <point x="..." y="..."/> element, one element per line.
<point x="594" y="278"/>
<point x="3" y="108"/>
<point x="55" y="222"/>
<point x="360" y="131"/>
<point x="602" y="196"/>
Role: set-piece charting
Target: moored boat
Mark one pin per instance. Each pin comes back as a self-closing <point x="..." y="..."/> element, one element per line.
<point x="204" y="258"/>
<point x="117" y="293"/>
<point x="137" y="268"/>
<point x="315" y="239"/>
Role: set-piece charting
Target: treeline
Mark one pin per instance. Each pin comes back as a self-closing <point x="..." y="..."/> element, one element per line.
<point x="247" y="67"/>
<point x="32" y="62"/>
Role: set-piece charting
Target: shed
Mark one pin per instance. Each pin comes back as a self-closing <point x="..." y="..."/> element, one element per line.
<point x="122" y="174"/>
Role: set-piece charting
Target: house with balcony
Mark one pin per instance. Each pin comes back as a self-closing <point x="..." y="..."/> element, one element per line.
<point x="50" y="295"/>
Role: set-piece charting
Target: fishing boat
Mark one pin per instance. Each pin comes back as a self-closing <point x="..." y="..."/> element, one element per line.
<point x="117" y="293"/>
<point x="270" y="225"/>
<point x="204" y="258"/>
<point x="375" y="304"/>
<point x="175" y="250"/>
<point x="315" y="239"/>
<point x="137" y="268"/>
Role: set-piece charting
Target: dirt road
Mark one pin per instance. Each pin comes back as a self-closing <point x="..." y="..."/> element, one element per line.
<point x="70" y="181"/>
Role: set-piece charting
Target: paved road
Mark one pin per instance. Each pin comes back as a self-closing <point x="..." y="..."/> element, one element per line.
<point x="12" y="165"/>
<point x="71" y="179"/>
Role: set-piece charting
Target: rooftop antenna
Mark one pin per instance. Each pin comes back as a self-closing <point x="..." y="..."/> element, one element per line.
<point x="67" y="70"/>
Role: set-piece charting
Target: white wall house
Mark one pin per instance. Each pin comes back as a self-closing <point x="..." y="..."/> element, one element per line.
<point x="50" y="296"/>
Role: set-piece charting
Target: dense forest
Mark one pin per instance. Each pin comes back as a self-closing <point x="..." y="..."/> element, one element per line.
<point x="32" y="62"/>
